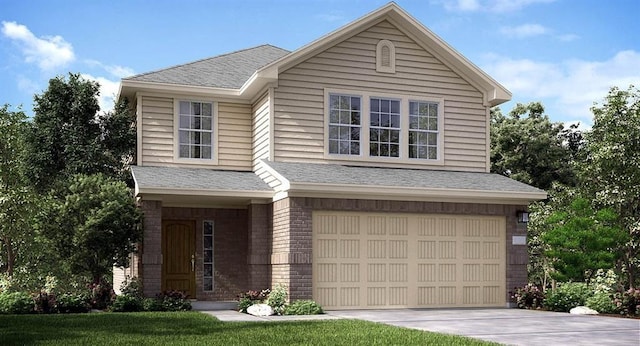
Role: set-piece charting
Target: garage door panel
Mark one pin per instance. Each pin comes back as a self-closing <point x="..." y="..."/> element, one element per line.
<point x="371" y="260"/>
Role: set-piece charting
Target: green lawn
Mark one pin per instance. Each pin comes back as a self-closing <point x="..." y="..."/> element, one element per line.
<point x="193" y="328"/>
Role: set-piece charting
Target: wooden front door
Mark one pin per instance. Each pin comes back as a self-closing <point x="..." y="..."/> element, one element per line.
<point x="178" y="256"/>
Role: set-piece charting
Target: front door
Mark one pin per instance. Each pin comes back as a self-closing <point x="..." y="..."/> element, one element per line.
<point x="178" y="256"/>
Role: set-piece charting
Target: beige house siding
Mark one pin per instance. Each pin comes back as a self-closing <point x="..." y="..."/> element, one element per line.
<point x="351" y="65"/>
<point x="233" y="143"/>
<point x="261" y="137"/>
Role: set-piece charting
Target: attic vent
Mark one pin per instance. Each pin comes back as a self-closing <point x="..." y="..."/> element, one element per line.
<point x="385" y="57"/>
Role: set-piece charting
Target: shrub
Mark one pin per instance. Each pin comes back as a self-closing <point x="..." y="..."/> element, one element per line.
<point x="528" y="297"/>
<point x="126" y="303"/>
<point x="16" y="303"/>
<point x="604" y="281"/>
<point x="132" y="287"/>
<point x="567" y="296"/>
<point x="277" y="299"/>
<point x="303" y="307"/>
<point x="72" y="303"/>
<point x="152" y="304"/>
<point x="602" y="302"/>
<point x="175" y="301"/>
<point x="45" y="303"/>
<point x="251" y="297"/>
<point x="628" y="302"/>
<point x="101" y="294"/>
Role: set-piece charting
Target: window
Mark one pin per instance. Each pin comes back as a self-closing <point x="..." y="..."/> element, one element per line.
<point x="344" y="124"/>
<point x="195" y="130"/>
<point x="207" y="254"/>
<point x="423" y="130"/>
<point x="384" y="129"/>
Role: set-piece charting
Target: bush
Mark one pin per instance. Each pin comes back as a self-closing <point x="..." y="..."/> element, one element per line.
<point x="175" y="301"/>
<point x="602" y="302"/>
<point x="567" y="296"/>
<point x="45" y="303"/>
<point x="277" y="299"/>
<point x="101" y="295"/>
<point x="16" y="303"/>
<point x="126" y="303"/>
<point x="152" y="304"/>
<point x="72" y="303"/>
<point x="251" y="297"/>
<point x="628" y="302"/>
<point x="528" y="297"/>
<point x="132" y="287"/>
<point x="303" y="307"/>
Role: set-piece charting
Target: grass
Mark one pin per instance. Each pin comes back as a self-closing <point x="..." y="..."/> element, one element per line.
<point x="193" y="328"/>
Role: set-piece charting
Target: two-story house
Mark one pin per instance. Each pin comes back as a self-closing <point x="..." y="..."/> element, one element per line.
<point x="354" y="171"/>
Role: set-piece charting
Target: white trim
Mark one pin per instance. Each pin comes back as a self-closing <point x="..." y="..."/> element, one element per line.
<point x="200" y="192"/>
<point x="214" y="133"/>
<point x="391" y="68"/>
<point x="365" y="97"/>
<point x="272" y="124"/>
<point x="285" y="184"/>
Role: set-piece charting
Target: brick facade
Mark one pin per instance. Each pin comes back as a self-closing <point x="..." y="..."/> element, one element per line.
<point x="151" y="249"/>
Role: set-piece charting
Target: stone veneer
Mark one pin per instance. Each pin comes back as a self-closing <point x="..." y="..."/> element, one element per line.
<point x="292" y="235"/>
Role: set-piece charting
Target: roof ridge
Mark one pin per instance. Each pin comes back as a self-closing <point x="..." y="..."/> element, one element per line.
<point x="204" y="59"/>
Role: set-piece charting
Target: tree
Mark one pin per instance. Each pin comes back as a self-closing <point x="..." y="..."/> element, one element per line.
<point x="95" y="226"/>
<point x="68" y="136"/>
<point x="17" y="201"/>
<point x="582" y="240"/>
<point x="611" y="172"/>
<point x="527" y="146"/>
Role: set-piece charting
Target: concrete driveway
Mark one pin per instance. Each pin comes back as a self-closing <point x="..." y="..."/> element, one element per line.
<point x="510" y="326"/>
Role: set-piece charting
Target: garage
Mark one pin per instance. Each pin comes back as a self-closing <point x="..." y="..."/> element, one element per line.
<point x="390" y="260"/>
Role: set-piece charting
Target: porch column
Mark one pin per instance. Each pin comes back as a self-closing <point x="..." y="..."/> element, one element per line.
<point x="259" y="251"/>
<point x="517" y="252"/>
<point x="152" y="248"/>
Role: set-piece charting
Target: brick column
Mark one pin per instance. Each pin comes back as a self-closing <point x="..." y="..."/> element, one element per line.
<point x="517" y="254"/>
<point x="292" y="247"/>
<point x="259" y="247"/>
<point x="151" y="273"/>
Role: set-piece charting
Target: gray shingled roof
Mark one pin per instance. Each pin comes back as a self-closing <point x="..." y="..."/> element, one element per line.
<point x="230" y="70"/>
<point x="394" y="177"/>
<point x="196" y="178"/>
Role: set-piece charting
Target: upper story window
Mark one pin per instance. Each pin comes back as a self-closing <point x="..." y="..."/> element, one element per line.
<point x="392" y="128"/>
<point x="386" y="57"/>
<point x="423" y="130"/>
<point x="384" y="127"/>
<point x="195" y="130"/>
<point x="344" y="124"/>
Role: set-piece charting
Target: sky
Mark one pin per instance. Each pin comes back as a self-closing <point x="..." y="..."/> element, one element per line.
<point x="566" y="54"/>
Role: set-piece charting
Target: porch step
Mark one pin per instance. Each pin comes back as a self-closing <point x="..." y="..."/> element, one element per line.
<point x="201" y="305"/>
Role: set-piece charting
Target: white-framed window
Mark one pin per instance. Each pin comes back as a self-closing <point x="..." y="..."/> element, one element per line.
<point x="386" y="128"/>
<point x="344" y="124"/>
<point x="195" y="130"/>
<point x="423" y="130"/>
<point x="207" y="256"/>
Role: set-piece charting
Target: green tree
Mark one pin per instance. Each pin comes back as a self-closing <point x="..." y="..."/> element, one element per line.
<point x="582" y="240"/>
<point x="611" y="172"/>
<point x="68" y="136"/>
<point x="17" y="200"/>
<point x="95" y="226"/>
<point x="527" y="146"/>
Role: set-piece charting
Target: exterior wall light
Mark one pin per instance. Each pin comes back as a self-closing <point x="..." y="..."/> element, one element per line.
<point x="523" y="217"/>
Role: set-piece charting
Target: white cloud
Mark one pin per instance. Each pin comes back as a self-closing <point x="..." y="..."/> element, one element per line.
<point x="115" y="70"/>
<point x="569" y="87"/>
<point x="499" y="6"/>
<point x="567" y="37"/>
<point x="524" y="30"/>
<point x="48" y="52"/>
<point x="27" y="85"/>
<point x="331" y="17"/>
<point x="108" y="91"/>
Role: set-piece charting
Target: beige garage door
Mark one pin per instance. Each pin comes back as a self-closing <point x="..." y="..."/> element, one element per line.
<point x="372" y="261"/>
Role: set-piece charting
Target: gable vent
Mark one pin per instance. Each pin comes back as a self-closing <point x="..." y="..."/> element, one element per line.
<point x="386" y="57"/>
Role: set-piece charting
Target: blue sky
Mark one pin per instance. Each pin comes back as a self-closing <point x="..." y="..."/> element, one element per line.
<point x="565" y="53"/>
